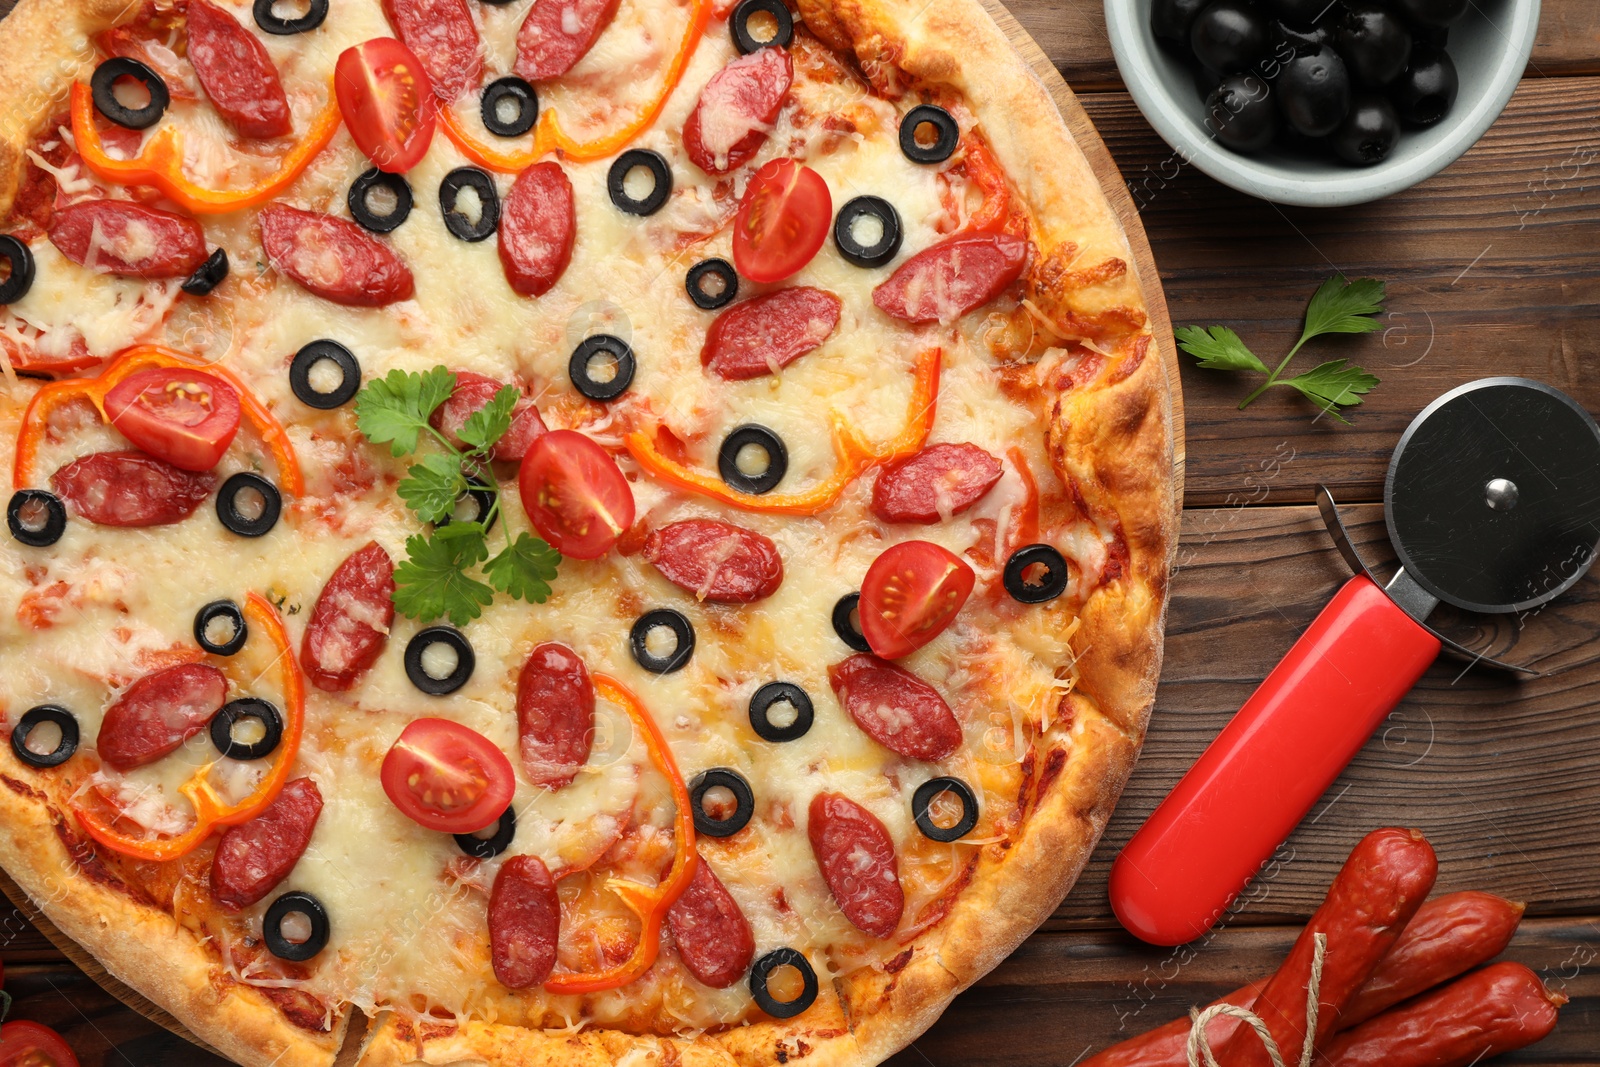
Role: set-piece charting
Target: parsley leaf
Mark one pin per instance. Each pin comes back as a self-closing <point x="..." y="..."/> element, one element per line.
<point x="1218" y="349"/>
<point x="432" y="580"/>
<point x="1341" y="307"/>
<point x="525" y="569"/>
<point x="432" y="487"/>
<point x="1335" y="383"/>
<point x="394" y="410"/>
<point x="489" y="423"/>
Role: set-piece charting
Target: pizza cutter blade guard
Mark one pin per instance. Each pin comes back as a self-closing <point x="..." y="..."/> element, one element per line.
<point x="1492" y="502"/>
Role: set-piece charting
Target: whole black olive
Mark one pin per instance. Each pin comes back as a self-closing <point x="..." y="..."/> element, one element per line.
<point x="1426" y="90"/>
<point x="1241" y="114"/>
<point x="1171" y="20"/>
<point x="1432" y="12"/>
<point x="1373" y="43"/>
<point x="1230" y="35"/>
<point x="1314" y="93"/>
<point x="1368" y="133"/>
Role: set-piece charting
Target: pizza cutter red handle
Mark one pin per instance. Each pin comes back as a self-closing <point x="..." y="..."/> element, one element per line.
<point x="1269" y="765"/>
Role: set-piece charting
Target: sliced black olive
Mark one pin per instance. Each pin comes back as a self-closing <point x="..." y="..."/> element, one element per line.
<point x="752" y="434"/>
<point x="946" y="134"/>
<point x="208" y="275"/>
<point x="710" y="270"/>
<point x="20" y="260"/>
<point x="295" y="904"/>
<point x="238" y="633"/>
<point x="929" y="791"/>
<point x="482" y="498"/>
<point x="102" y="84"/>
<point x="780" y="693"/>
<point x="236" y="520"/>
<point x="316" y="11"/>
<point x="458" y="222"/>
<point x="439" y="635"/>
<point x="518" y="92"/>
<point x="660" y="175"/>
<point x="739" y="25"/>
<point x="744" y="802"/>
<point x="846" y="626"/>
<point x="880" y="251"/>
<point x="37" y="517"/>
<point x="306" y="360"/>
<point x="662" y="619"/>
<point x="33" y="717"/>
<point x="762" y="970"/>
<point x="487" y="848"/>
<point x="1052" y="585"/>
<point x="230" y="714"/>
<point x="360" y="200"/>
<point x="602" y="348"/>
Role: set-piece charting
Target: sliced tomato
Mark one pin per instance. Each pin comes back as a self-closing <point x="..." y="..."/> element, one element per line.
<point x="910" y="594"/>
<point x="447" y="777"/>
<point x="186" y="417"/>
<point x="29" y="1044"/>
<point x="387" y="102"/>
<point x="783" y="220"/>
<point x="575" y="494"/>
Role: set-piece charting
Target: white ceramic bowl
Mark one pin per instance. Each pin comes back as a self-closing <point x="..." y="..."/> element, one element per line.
<point x="1490" y="46"/>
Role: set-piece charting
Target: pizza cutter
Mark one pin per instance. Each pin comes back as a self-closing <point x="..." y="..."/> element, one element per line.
<point x="1492" y="502"/>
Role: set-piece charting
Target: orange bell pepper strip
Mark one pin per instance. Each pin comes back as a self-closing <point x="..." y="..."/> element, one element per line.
<point x="855" y="457"/>
<point x="549" y="137"/>
<point x="160" y="162"/>
<point x="649" y="903"/>
<point x="210" y="809"/>
<point x="53" y="395"/>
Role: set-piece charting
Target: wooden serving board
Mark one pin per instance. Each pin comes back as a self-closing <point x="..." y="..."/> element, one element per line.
<point x="1144" y="267"/>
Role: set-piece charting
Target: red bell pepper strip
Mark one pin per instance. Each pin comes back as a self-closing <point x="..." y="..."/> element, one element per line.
<point x="649" y="903"/>
<point x="53" y="395"/>
<point x="211" y="811"/>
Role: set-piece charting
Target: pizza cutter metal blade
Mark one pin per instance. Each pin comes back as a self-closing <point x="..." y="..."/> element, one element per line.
<point x="1492" y="502"/>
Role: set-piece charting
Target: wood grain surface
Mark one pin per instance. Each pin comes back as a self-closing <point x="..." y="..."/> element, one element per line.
<point x="1494" y="268"/>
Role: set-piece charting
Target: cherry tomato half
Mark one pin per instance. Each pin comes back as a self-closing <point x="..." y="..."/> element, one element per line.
<point x="782" y="221"/>
<point x="447" y="777"/>
<point x="186" y="417"/>
<point x="574" y="494"/>
<point x="29" y="1044"/>
<point x="387" y="102"/>
<point x="910" y="594"/>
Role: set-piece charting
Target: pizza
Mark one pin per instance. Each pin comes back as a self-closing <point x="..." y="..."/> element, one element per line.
<point x="562" y="532"/>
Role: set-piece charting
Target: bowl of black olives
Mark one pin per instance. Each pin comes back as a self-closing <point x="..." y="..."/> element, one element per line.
<point x="1320" y="103"/>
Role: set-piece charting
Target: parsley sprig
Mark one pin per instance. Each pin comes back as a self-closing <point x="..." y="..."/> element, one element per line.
<point x="436" y="578"/>
<point x="1336" y="307"/>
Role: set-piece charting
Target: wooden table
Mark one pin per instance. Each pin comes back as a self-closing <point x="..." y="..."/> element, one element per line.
<point x="1493" y="268"/>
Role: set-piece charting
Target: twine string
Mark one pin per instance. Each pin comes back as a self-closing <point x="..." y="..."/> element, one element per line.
<point x="1199" y="1048"/>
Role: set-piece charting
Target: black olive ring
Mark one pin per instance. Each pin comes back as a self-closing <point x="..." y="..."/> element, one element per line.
<point x="316" y="12"/>
<point x="272" y="927"/>
<point x="221" y="609"/>
<point x="942" y="122"/>
<point x="651" y="621"/>
<point x="848" y="632"/>
<point x="739" y="25"/>
<point x="929" y="791"/>
<point x="208" y="275"/>
<point x="487" y="848"/>
<point x="762" y="970"/>
<point x="228" y="504"/>
<point x="482" y="498"/>
<point x="439" y="635"/>
<point x="770" y="443"/>
<point x="1015" y="576"/>
<point x="262" y="711"/>
<point x="20" y="257"/>
<point x="661" y="181"/>
<point x="455" y="220"/>
<point x="695" y="284"/>
<point x="361" y="210"/>
<point x="55" y="517"/>
<point x="583" y="358"/>
<point x="781" y="693"/>
<point x="510" y="87"/>
<point x="33" y="717"/>
<point x="306" y="360"/>
<point x="102" y="85"/>
<point x="744" y="802"/>
<point x="873" y="255"/>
